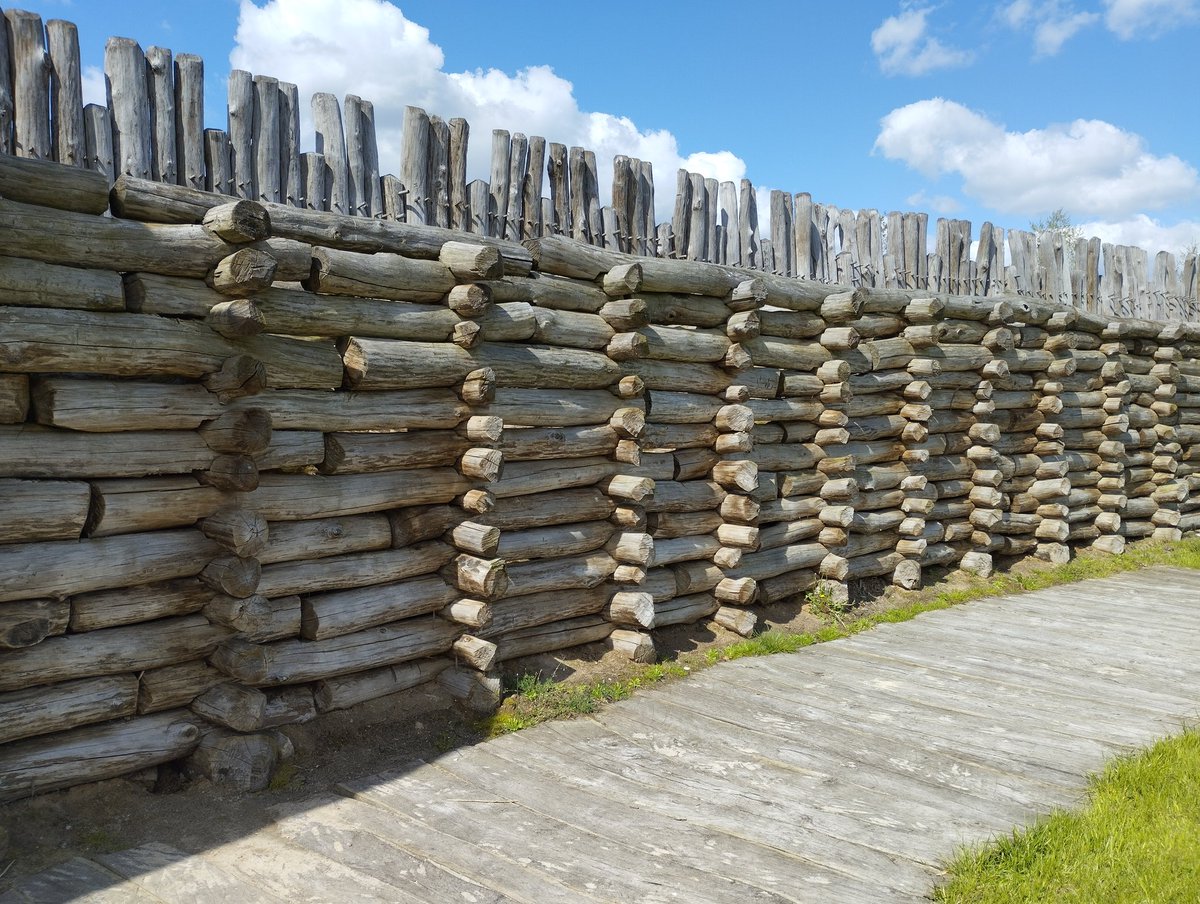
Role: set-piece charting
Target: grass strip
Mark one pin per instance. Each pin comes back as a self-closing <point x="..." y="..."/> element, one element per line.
<point x="1137" y="840"/>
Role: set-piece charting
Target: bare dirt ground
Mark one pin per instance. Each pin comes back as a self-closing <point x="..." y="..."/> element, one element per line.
<point x="166" y="805"/>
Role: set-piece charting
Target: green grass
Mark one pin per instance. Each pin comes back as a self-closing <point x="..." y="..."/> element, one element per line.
<point x="533" y="699"/>
<point x="1138" y="840"/>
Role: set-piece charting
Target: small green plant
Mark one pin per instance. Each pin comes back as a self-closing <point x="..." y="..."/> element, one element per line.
<point x="825" y="601"/>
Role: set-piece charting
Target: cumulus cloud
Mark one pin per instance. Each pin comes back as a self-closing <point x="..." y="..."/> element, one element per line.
<point x="1146" y="232"/>
<point x="1053" y="22"/>
<point x="369" y="48"/>
<point x="904" y="46"/>
<point x="1088" y="166"/>
<point x="1148" y="18"/>
<point x="939" y="204"/>
<point x="92" y="83"/>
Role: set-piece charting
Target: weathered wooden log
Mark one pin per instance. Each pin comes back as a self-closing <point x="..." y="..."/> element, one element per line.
<point x="94" y="753"/>
<point x="111" y="651"/>
<point x="346" y="611"/>
<point x="102" y="405"/>
<point x="29" y="622"/>
<point x="772" y="562"/>
<point x="33" y="510"/>
<point x="32" y="283"/>
<point x="60" y="707"/>
<point x="132" y="345"/>
<point x="353" y="570"/>
<point x="554" y="636"/>
<point x="290" y="662"/>
<point x="544" y="607"/>
<point x="684" y="609"/>
<point x="551" y="508"/>
<point x="285" y="497"/>
<point x="344" y="691"/>
<point x="382" y="275"/>
<point x="542" y="575"/>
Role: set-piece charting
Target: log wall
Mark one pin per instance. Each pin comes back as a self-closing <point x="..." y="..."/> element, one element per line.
<point x="259" y="463"/>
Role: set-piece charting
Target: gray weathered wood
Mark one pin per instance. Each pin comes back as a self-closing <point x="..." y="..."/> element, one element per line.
<point x="414" y="166"/>
<point x="31" y="85"/>
<point x="129" y="102"/>
<point x="241" y="132"/>
<point x="160" y="73"/>
<point x="460" y="133"/>
<point x="331" y="143"/>
<point x="265" y="132"/>
<point x="66" y="92"/>
<point x="98" y="138"/>
<point x="291" y="175"/>
<point x="218" y="162"/>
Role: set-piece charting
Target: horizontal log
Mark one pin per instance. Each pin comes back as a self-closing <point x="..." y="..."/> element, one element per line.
<point x="289" y="541"/>
<point x="540" y="575"/>
<point x="687" y="496"/>
<point x="144" y="603"/>
<point x="381" y="275"/>
<point x="523" y="478"/>
<point x="772" y="562"/>
<point x="358" y="453"/>
<point x="550" y="508"/>
<point x="62" y="568"/>
<point x="33" y="510"/>
<point x="791" y="354"/>
<point x="31" y="621"/>
<point x="554" y="636"/>
<point x="373" y="364"/>
<point x="104" y="405"/>
<point x="175" y="685"/>
<point x="60" y="707"/>
<point x="29" y="451"/>
<point x="159" y="202"/>
<point x="128" y="505"/>
<point x="37" y="284"/>
<point x="94" y="753"/>
<point x="344" y="691"/>
<point x="288" y="497"/>
<point x="554" y="541"/>
<point x="684" y="310"/>
<point x="82" y="240"/>
<point x="353" y="570"/>
<point x="671" y="375"/>
<point x="295" y="661"/>
<point x="346" y="611"/>
<point x="530" y="610"/>
<point x="111" y="651"/>
<point x="142" y="345"/>
<point x="684" y="610"/>
<point x="527" y="444"/>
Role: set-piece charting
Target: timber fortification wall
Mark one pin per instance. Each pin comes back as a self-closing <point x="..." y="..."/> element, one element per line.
<point x="311" y="437"/>
<point x="258" y="463"/>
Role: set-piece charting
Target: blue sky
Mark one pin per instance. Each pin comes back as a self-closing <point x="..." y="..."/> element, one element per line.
<point x="998" y="111"/>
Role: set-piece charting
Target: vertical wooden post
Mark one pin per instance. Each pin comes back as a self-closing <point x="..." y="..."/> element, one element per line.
<point x="189" y="120"/>
<point x="592" y="194"/>
<point x="362" y="157"/>
<point x="314" y="176"/>
<point x="498" y="186"/>
<point x="265" y="132"/>
<point x="460" y="133"/>
<point x="7" y="100"/>
<point x="160" y="72"/>
<point x="681" y="219"/>
<point x="125" y="73"/>
<point x="97" y="139"/>
<point x="646" y="194"/>
<point x="439" y="171"/>
<point x="218" y="162"/>
<point x="783" y="232"/>
<point x="622" y="200"/>
<point x="414" y="165"/>
<point x="331" y="143"/>
<point x="802" y="226"/>
<point x="534" y="171"/>
<point x="731" y="230"/>
<point x="578" y="196"/>
<point x="748" y="224"/>
<point x="479" y="205"/>
<point x="518" y="162"/>
<point x="241" y="132"/>
<point x="290" y="182"/>
<point x="31" y="85"/>
<point x="560" y="193"/>
<point x="710" y="218"/>
<point x="66" y="92"/>
<point x="698" y="220"/>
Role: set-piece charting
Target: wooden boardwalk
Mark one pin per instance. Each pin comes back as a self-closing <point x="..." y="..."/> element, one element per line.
<point x="847" y="772"/>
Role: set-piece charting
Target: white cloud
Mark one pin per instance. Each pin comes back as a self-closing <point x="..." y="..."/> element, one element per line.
<point x="904" y="47"/>
<point x="1053" y="22"/>
<point x="1145" y="232"/>
<point x="940" y="204"/>
<point x="1132" y="18"/>
<point x="369" y="48"/>
<point x="94" y="90"/>
<point x="1089" y="167"/>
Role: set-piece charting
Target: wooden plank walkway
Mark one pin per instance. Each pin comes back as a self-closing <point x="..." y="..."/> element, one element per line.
<point x="844" y="773"/>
